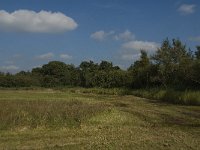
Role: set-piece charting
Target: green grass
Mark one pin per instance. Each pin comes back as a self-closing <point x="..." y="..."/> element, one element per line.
<point x="187" y="97"/>
<point x="72" y="119"/>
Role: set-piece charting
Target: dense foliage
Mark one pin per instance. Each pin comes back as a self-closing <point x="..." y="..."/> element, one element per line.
<point x="173" y="65"/>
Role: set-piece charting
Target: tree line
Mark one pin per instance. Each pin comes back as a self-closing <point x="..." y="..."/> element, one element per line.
<point x="172" y="65"/>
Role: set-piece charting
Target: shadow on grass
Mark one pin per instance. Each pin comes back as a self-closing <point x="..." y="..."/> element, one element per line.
<point x="168" y="115"/>
<point x="120" y="104"/>
<point x="179" y="121"/>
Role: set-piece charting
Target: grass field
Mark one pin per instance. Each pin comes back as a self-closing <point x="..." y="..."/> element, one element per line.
<point x="53" y="119"/>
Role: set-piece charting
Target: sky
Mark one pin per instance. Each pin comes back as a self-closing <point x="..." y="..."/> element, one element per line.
<point x="34" y="32"/>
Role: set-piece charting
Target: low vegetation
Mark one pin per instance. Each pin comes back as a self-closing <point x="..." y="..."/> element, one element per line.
<point x="73" y="119"/>
<point x="183" y="97"/>
<point x="170" y="96"/>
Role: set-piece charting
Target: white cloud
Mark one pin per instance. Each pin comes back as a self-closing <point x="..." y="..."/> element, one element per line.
<point x="45" y="56"/>
<point x="130" y="57"/>
<point x="37" y="66"/>
<point x="131" y="50"/>
<point x="141" y="45"/>
<point x="126" y="36"/>
<point x="39" y="22"/>
<point x="65" y="56"/>
<point x="185" y="9"/>
<point x="195" y="39"/>
<point x="9" y="68"/>
<point x="101" y="35"/>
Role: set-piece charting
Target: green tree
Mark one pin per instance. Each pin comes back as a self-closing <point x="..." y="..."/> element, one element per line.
<point x="194" y="73"/>
<point x="197" y="53"/>
<point x="105" y="65"/>
<point x="88" y="70"/>
<point x="171" y="58"/>
<point x="55" y="73"/>
<point x="140" y="71"/>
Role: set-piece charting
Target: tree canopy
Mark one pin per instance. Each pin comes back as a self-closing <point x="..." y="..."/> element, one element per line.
<point x="172" y="65"/>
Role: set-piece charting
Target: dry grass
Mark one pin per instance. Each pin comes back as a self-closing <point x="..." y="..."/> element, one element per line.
<point x="66" y="120"/>
<point x="47" y="114"/>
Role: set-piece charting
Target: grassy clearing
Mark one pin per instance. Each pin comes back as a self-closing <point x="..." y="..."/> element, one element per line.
<point x="51" y="119"/>
<point x="187" y="97"/>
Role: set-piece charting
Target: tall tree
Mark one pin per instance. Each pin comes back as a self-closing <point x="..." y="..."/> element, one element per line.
<point x="197" y="53"/>
<point x="140" y="71"/>
<point x="171" y="58"/>
<point x="88" y="70"/>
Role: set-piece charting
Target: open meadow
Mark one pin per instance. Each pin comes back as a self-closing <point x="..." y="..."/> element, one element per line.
<point x="71" y="119"/>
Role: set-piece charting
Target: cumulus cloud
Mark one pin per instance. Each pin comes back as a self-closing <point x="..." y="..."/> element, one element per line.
<point x="185" y="9"/>
<point x="9" y="68"/>
<point x="39" y="22"/>
<point x="195" y="39"/>
<point x="131" y="50"/>
<point x="129" y="56"/>
<point x="141" y="45"/>
<point x="65" y="56"/>
<point x="126" y="36"/>
<point x="101" y="35"/>
<point x="46" y="56"/>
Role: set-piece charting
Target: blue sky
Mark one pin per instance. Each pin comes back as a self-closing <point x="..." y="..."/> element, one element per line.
<point x="34" y="32"/>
